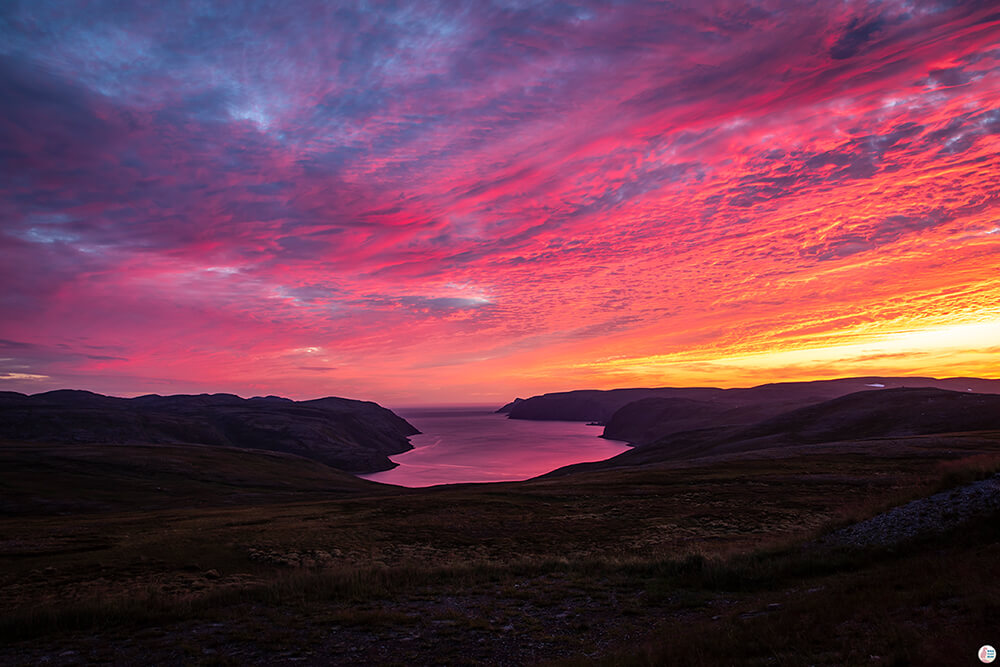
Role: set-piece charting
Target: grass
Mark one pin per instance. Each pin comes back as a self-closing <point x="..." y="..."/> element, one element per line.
<point x="686" y="557"/>
<point x="42" y="478"/>
<point x="968" y="469"/>
<point x="928" y="607"/>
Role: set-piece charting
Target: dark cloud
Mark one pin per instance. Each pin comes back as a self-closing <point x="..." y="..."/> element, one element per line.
<point x="950" y="76"/>
<point x="611" y="326"/>
<point x="860" y="158"/>
<point x="868" y="236"/>
<point x="856" y="37"/>
<point x="443" y="304"/>
<point x="9" y="345"/>
<point x="23" y="355"/>
<point x="48" y="122"/>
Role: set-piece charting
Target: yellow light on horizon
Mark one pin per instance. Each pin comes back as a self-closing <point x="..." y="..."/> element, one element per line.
<point x="968" y="348"/>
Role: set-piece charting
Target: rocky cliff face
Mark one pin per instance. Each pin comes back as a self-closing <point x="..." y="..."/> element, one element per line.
<point x="355" y="436"/>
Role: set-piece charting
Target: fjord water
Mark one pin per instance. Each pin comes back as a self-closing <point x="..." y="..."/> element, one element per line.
<point x="477" y="445"/>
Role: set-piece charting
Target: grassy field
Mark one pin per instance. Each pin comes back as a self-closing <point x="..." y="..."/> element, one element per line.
<point x="694" y="563"/>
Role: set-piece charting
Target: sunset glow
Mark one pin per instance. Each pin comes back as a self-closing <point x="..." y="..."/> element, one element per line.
<point x="440" y="202"/>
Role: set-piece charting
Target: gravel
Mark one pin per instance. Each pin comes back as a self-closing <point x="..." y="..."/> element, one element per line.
<point x="933" y="515"/>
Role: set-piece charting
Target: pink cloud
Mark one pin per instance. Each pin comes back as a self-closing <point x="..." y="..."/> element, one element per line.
<point x="402" y="206"/>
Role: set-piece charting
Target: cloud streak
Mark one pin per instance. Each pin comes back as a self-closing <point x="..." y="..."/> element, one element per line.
<point x="449" y="195"/>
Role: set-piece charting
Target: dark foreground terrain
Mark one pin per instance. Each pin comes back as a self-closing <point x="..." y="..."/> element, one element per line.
<point x="808" y="551"/>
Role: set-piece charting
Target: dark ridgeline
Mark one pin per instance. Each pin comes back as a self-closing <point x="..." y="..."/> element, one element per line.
<point x="655" y="418"/>
<point x="691" y="432"/>
<point x="644" y="415"/>
<point x="683" y="423"/>
<point x="591" y="405"/>
<point x="354" y="436"/>
<point x="505" y="410"/>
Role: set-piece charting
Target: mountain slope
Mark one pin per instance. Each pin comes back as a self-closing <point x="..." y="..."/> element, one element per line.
<point x="355" y="436"/>
<point x="595" y="405"/>
<point x="43" y="478"/>
<point x="860" y="416"/>
<point x="878" y="414"/>
<point x="674" y="409"/>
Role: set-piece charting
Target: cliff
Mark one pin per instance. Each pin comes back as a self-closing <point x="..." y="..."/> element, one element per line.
<point x="855" y="418"/>
<point x="657" y="417"/>
<point x="645" y="415"/>
<point x="354" y="436"/>
<point x="507" y="408"/>
<point x="592" y="404"/>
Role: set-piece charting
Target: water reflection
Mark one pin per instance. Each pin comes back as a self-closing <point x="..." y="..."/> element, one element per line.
<point x="476" y="445"/>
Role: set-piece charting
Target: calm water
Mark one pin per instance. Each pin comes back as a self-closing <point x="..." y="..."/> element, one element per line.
<point x="476" y="445"/>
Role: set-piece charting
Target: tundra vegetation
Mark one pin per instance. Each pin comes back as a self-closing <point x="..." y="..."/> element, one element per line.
<point x="219" y="555"/>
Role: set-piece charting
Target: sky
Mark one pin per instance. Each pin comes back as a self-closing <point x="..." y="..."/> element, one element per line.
<point x="463" y="202"/>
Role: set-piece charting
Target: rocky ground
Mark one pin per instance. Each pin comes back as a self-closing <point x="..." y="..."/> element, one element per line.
<point x="937" y="514"/>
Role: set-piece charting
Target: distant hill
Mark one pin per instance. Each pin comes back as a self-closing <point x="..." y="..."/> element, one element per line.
<point x="878" y="413"/>
<point x="354" y="436"/>
<point x="592" y="404"/>
<point x="645" y="415"/>
<point x="507" y="408"/>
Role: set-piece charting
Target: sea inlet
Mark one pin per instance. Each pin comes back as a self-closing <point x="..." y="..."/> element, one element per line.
<point x="469" y="444"/>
